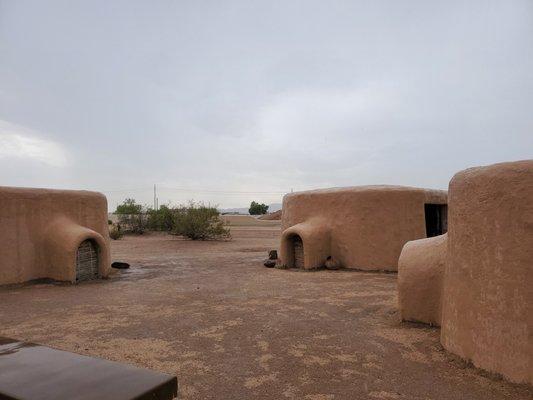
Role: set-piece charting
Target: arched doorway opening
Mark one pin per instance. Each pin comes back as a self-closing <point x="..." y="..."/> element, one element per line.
<point x="298" y="251"/>
<point x="87" y="261"/>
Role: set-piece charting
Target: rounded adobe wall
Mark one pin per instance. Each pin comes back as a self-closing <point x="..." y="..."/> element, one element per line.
<point x="37" y="223"/>
<point x="366" y="226"/>
<point x="420" y="273"/>
<point x="489" y="270"/>
<point x="316" y="238"/>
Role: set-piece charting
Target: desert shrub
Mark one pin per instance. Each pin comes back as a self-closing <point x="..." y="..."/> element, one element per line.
<point x="115" y="233"/>
<point x="199" y="222"/>
<point x="257" y="209"/>
<point x="129" y="206"/>
<point x="132" y="216"/>
<point x="135" y="223"/>
<point x="161" y="219"/>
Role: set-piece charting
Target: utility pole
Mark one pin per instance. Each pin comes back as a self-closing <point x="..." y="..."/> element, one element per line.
<point x="155" y="201"/>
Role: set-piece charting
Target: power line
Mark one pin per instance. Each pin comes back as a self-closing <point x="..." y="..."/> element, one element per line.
<point x="123" y="190"/>
<point x="219" y="191"/>
<point x="182" y="189"/>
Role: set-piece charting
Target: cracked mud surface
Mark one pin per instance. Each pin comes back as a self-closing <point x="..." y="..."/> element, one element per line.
<point x="210" y="313"/>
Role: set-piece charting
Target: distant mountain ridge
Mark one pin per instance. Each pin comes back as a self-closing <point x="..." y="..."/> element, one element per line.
<point x="244" y="210"/>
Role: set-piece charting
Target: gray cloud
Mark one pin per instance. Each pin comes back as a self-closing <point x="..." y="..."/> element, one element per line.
<point x="263" y="96"/>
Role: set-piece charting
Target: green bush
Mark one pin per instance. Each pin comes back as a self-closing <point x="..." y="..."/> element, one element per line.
<point x="161" y="220"/>
<point x="195" y="220"/>
<point x="257" y="209"/>
<point x="199" y="222"/>
<point x="132" y="216"/>
<point x="129" y="206"/>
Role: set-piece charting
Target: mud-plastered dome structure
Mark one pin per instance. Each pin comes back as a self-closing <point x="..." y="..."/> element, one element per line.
<point x="55" y="234"/>
<point x="476" y="281"/>
<point x="362" y="227"/>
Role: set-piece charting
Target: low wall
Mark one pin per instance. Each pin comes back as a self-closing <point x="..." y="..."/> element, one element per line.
<point x="420" y="274"/>
<point x="248" y="220"/>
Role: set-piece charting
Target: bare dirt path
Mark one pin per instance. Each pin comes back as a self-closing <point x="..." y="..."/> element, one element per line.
<point x="232" y="329"/>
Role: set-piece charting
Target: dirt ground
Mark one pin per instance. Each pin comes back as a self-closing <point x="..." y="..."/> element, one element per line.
<point x="210" y="313"/>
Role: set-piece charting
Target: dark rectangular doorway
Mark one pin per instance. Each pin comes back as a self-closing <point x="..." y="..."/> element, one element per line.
<point x="298" y="252"/>
<point x="436" y="219"/>
<point x="87" y="261"/>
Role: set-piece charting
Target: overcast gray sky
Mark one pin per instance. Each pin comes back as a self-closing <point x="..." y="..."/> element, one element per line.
<point x="260" y="96"/>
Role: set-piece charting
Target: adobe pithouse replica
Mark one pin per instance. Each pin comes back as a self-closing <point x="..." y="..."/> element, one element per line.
<point x="55" y="234"/>
<point x="363" y="227"/>
<point x="476" y="281"/>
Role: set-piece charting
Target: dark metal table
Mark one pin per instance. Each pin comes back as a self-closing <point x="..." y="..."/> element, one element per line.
<point x="31" y="371"/>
